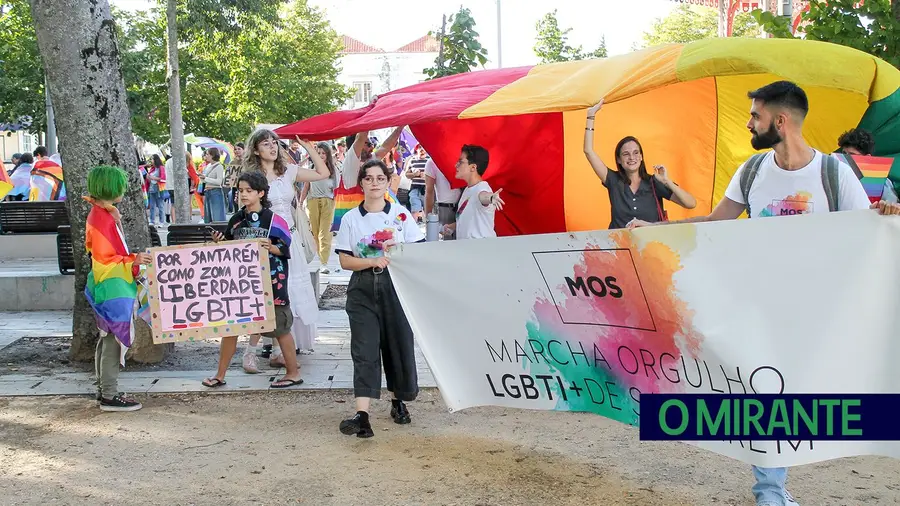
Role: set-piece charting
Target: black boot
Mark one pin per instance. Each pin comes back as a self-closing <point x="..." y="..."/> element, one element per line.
<point x="358" y="425"/>
<point x="399" y="412"/>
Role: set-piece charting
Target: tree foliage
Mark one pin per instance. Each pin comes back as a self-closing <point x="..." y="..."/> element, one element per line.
<point x="242" y="62"/>
<point x="871" y="26"/>
<point x="21" y="66"/>
<point x="687" y="23"/>
<point x="461" y="49"/>
<point x="552" y="42"/>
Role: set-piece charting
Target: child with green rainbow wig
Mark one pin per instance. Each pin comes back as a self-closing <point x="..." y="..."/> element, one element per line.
<point x="111" y="287"/>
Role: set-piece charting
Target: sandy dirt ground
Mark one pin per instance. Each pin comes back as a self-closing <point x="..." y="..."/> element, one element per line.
<point x="284" y="448"/>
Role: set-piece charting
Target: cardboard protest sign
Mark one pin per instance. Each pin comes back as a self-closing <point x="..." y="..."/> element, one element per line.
<point x="207" y="290"/>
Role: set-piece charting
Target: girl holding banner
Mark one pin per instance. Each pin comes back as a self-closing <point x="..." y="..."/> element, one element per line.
<point x="378" y="325"/>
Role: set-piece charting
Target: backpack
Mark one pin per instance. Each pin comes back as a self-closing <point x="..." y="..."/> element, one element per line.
<point x="830" y="180"/>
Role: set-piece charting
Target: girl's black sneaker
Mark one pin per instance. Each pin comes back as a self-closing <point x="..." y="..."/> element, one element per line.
<point x="120" y="402"/>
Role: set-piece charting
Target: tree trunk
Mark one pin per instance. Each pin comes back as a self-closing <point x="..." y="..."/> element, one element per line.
<point x="81" y="62"/>
<point x="179" y="176"/>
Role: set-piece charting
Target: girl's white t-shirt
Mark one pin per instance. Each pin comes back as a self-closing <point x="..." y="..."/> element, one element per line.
<point x="363" y="234"/>
<point x="474" y="220"/>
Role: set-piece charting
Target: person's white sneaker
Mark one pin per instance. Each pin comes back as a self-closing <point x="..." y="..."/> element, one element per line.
<point x="250" y="364"/>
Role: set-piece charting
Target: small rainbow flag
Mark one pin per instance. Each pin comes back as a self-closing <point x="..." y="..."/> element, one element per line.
<point x="111" y="289"/>
<point x="345" y="200"/>
<point x="47" y="182"/>
<point x="279" y="229"/>
<point x="6" y="185"/>
<point x="872" y="172"/>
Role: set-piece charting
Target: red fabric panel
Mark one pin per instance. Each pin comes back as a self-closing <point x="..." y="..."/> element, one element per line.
<point x="435" y="100"/>
<point x="526" y="160"/>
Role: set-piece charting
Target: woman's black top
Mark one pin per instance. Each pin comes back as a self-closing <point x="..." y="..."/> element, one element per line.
<point x="627" y="205"/>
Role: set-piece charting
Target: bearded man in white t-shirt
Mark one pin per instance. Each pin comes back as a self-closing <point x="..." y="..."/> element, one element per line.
<point x="791" y="179"/>
<point x="475" y="214"/>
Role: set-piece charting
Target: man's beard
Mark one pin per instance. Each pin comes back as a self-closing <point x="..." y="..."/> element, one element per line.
<point x="768" y="139"/>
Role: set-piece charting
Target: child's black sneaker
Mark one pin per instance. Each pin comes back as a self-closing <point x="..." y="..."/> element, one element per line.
<point x="399" y="412"/>
<point x="120" y="402"/>
<point x="358" y="425"/>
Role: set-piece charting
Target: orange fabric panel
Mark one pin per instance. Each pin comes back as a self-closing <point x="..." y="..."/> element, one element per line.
<point x="676" y="125"/>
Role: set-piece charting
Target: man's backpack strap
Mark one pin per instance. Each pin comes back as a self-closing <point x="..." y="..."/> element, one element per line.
<point x="831" y="182"/>
<point x="751" y="168"/>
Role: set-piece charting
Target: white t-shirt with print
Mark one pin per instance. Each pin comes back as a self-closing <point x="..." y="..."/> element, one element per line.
<point x="779" y="192"/>
<point x="474" y="220"/>
<point x="442" y="191"/>
<point x="362" y="234"/>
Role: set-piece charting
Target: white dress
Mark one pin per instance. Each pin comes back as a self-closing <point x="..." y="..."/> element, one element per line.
<point x="304" y="306"/>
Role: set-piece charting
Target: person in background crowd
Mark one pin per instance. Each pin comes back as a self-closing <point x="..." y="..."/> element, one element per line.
<point x="233" y="174"/>
<point x="777" y="113"/>
<point x="857" y="141"/>
<point x="341" y="151"/>
<point x="20" y="178"/>
<point x="15" y="160"/>
<point x="415" y="171"/>
<point x="295" y="153"/>
<point x="266" y="154"/>
<point x="633" y="193"/>
<point x="213" y="177"/>
<point x="320" y="205"/>
<point x="40" y="153"/>
<point x="361" y="149"/>
<point x="156" y="178"/>
<point x="378" y="324"/>
<point x="440" y="197"/>
<point x="475" y="217"/>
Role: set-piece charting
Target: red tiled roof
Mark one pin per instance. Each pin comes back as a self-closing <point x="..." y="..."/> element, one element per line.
<point x="424" y="44"/>
<point x="352" y="45"/>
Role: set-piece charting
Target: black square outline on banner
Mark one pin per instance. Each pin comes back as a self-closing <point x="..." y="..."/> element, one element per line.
<point x="535" y="254"/>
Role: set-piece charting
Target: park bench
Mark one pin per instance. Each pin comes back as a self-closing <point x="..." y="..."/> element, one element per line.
<point x="65" y="249"/>
<point x="193" y="233"/>
<point x="32" y="217"/>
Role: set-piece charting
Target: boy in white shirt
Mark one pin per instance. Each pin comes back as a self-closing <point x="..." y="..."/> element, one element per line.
<point x="475" y="214"/>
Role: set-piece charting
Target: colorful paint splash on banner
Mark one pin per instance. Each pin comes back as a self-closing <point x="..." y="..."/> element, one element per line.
<point x="622" y="357"/>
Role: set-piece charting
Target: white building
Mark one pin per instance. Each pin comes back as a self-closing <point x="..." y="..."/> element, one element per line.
<point x="372" y="71"/>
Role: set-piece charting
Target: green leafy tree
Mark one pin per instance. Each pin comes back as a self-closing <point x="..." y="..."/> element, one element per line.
<point x="21" y="66"/>
<point x="461" y="49"/>
<point x="872" y="26"/>
<point x="552" y="44"/>
<point x="687" y="23"/>
<point x="261" y="61"/>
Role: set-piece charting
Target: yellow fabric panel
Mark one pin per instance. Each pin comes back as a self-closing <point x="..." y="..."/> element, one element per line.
<point x="807" y="63"/>
<point x="831" y="113"/>
<point x="580" y="84"/>
<point x="887" y="80"/>
<point x="676" y="126"/>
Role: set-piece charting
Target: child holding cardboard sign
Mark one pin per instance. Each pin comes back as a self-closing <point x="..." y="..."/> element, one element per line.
<point x="111" y="289"/>
<point x="256" y="221"/>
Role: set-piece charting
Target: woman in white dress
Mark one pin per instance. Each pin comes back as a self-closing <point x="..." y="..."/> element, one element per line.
<point x="264" y="153"/>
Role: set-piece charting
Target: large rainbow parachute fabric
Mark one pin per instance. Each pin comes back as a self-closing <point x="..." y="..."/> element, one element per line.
<point x="686" y="103"/>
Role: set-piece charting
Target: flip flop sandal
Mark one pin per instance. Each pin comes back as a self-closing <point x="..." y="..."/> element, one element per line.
<point x="286" y="383"/>
<point x="213" y="383"/>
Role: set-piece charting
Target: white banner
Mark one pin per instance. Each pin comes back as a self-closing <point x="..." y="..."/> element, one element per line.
<point x="589" y="321"/>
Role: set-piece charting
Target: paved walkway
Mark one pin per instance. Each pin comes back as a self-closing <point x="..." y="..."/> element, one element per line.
<point x="329" y="368"/>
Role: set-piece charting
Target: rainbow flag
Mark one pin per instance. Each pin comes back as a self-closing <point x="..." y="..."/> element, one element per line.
<point x="345" y="200"/>
<point x="6" y="185"/>
<point x="47" y="182"/>
<point x="111" y="289"/>
<point x="279" y="229"/>
<point x="872" y="171"/>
